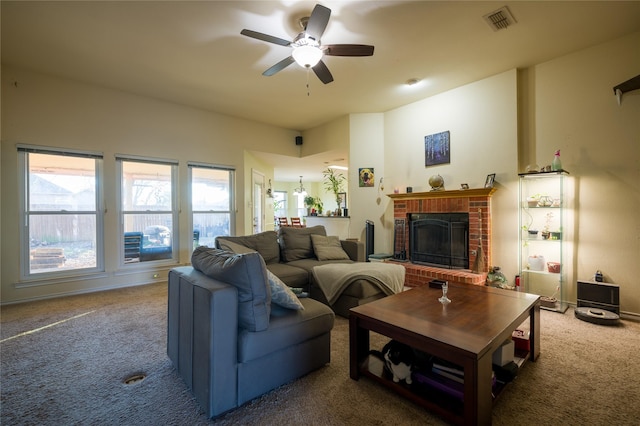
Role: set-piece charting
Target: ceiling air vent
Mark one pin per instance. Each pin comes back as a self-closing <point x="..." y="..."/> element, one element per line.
<point x="500" y="19"/>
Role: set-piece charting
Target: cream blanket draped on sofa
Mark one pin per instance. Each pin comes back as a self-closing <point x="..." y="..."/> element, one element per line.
<point x="334" y="278"/>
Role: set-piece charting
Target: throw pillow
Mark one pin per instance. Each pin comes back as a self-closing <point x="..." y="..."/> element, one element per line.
<point x="328" y="248"/>
<point x="282" y="295"/>
<point x="296" y="242"/>
<point x="248" y="273"/>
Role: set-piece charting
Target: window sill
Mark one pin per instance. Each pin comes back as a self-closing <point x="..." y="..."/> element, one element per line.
<point x="37" y="282"/>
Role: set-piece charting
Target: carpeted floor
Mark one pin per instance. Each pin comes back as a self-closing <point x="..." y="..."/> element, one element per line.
<point x="63" y="362"/>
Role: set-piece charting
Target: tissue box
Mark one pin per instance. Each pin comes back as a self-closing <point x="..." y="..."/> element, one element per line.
<point x="504" y="354"/>
<point x="521" y="339"/>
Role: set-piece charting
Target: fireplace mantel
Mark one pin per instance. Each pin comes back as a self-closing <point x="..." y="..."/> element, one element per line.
<point x="459" y="193"/>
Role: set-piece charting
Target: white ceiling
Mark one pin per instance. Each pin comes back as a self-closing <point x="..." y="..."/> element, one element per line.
<point x="192" y="53"/>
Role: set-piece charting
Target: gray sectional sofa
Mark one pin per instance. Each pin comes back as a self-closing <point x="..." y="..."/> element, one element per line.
<point x="230" y="336"/>
<point x="291" y="254"/>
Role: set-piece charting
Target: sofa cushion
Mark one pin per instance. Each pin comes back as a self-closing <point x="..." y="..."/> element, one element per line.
<point x="295" y="243"/>
<point x="287" y="329"/>
<point x="265" y="243"/>
<point x="309" y="264"/>
<point x="328" y="248"/>
<point x="362" y="289"/>
<point x="234" y="247"/>
<point x="291" y="275"/>
<point x="282" y="295"/>
<point x="246" y="272"/>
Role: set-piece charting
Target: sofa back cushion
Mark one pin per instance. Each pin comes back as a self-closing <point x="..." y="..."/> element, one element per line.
<point x="265" y="243"/>
<point x="295" y="243"/>
<point x="328" y="248"/>
<point x="248" y="273"/>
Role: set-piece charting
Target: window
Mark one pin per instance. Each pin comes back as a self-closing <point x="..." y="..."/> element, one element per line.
<point x="62" y="218"/>
<point x="147" y="209"/>
<point x="302" y="210"/>
<point x="280" y="206"/>
<point x="211" y="203"/>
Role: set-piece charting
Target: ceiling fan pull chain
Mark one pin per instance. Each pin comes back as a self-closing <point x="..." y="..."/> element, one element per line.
<point x="308" y="91"/>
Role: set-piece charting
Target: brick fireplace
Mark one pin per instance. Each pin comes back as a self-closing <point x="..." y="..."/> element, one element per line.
<point x="475" y="202"/>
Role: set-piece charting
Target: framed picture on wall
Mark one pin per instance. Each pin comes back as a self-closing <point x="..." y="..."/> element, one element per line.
<point x="366" y="177"/>
<point x="437" y="149"/>
<point x="490" y="179"/>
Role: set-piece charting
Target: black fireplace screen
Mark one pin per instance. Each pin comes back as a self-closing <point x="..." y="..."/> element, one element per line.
<point x="440" y="239"/>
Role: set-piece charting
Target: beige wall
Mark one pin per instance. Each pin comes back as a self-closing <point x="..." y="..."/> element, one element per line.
<point x="330" y="136"/>
<point x="252" y="163"/>
<point x="43" y="110"/>
<point x="368" y="203"/>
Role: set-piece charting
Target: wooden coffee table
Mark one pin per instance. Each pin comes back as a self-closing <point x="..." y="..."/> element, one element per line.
<point x="466" y="332"/>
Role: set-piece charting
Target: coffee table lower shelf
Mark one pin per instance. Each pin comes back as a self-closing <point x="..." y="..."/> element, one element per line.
<point x="437" y="402"/>
<point x="444" y="404"/>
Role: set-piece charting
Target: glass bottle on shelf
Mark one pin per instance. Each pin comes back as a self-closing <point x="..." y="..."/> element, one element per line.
<point x="545" y="261"/>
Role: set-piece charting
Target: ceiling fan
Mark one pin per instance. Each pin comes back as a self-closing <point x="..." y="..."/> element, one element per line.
<point x="307" y="49"/>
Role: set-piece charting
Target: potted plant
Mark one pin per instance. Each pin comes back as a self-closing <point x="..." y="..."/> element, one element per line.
<point x="532" y="200"/>
<point x="309" y="202"/>
<point x="318" y="204"/>
<point x="333" y="182"/>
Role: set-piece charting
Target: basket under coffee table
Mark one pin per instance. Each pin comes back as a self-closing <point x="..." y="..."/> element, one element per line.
<point x="465" y="332"/>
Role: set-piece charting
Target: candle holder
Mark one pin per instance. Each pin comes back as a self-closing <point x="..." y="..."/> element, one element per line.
<point x="444" y="299"/>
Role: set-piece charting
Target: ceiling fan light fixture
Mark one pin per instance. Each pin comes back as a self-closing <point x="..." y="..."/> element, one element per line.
<point x="307" y="50"/>
<point x="307" y="56"/>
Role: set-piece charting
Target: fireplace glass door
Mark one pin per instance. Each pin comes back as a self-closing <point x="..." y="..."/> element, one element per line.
<point x="440" y="239"/>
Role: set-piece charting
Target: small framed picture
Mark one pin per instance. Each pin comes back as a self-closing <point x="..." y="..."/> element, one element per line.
<point x="366" y="177"/>
<point x="489" y="182"/>
<point x="464" y="186"/>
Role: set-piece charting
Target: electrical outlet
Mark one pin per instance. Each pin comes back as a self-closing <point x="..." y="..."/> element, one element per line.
<point x="156" y="275"/>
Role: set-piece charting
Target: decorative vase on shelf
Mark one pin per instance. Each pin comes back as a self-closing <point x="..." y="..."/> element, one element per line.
<point x="556" y="165"/>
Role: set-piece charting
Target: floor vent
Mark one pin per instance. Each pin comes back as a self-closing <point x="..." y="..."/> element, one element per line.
<point x="134" y="379"/>
<point x="500" y="19"/>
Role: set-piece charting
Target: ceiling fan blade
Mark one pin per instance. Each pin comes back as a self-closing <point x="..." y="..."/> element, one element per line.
<point x="279" y="66"/>
<point x="265" y="37"/>
<point x="323" y="72"/>
<point x="318" y="22"/>
<point x="348" y="50"/>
